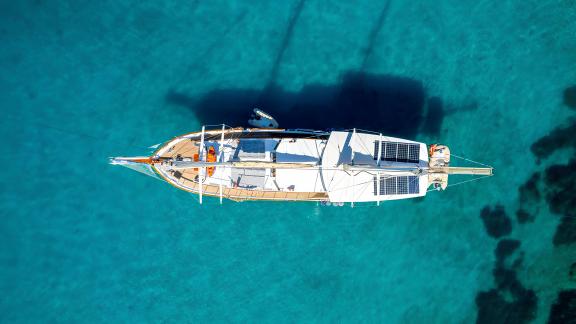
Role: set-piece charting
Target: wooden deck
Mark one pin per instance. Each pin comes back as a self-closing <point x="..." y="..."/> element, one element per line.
<point x="186" y="148"/>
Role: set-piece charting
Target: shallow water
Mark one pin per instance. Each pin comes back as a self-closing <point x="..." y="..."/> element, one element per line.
<point x="81" y="81"/>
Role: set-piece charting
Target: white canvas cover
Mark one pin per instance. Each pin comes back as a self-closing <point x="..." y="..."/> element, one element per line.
<point x="344" y="179"/>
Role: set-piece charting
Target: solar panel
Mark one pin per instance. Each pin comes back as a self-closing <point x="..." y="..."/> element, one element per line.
<point x="382" y="187"/>
<point x="402" y="155"/>
<point x="397" y="185"/>
<point x="402" y="185"/>
<point x="390" y="150"/>
<point x="413" y="184"/>
<point x="414" y="153"/>
<point x="390" y="184"/>
<point x="397" y="152"/>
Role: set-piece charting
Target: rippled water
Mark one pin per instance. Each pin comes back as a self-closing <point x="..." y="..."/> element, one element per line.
<point x="84" y="241"/>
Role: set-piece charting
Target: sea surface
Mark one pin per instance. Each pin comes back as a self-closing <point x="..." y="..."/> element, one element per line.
<point x="85" y="241"/>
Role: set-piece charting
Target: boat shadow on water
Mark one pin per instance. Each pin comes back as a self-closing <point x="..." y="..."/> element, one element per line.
<point x="396" y="106"/>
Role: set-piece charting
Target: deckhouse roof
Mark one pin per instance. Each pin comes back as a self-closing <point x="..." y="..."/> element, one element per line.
<point x="351" y="159"/>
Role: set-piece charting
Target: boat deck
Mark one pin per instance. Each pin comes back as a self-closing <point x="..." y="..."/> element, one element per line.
<point x="187" y="179"/>
<point x="299" y="165"/>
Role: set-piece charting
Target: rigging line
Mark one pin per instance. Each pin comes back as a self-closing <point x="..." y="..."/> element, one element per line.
<point x="334" y="175"/>
<point x="364" y="189"/>
<point x="463" y="158"/>
<point x="214" y="125"/>
<point x="356" y="184"/>
<point x="386" y="176"/>
<point x="318" y="176"/>
<point x="363" y="145"/>
<point x="416" y="177"/>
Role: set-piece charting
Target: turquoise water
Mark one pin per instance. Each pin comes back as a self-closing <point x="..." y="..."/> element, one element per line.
<point x="81" y="240"/>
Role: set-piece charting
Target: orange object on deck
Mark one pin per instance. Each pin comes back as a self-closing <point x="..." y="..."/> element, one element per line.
<point x="432" y="149"/>
<point x="211" y="157"/>
<point x="196" y="159"/>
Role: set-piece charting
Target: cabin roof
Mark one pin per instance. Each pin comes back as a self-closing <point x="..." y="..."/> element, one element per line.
<point x="361" y="150"/>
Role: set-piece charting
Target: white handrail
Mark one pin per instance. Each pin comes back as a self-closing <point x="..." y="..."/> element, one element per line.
<point x="379" y="149"/>
<point x="352" y="160"/>
<point x="353" y="138"/>
<point x="201" y="152"/>
<point x="221" y="153"/>
<point x="378" y="189"/>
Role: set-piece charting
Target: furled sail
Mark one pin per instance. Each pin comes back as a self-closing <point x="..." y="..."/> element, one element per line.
<point x="135" y="163"/>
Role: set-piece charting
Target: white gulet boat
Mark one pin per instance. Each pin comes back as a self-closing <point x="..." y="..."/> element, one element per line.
<point x="299" y="165"/>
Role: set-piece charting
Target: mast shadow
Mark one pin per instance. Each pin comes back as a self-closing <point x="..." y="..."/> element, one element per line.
<point x="395" y="106"/>
<point x="373" y="37"/>
<point x="286" y="41"/>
